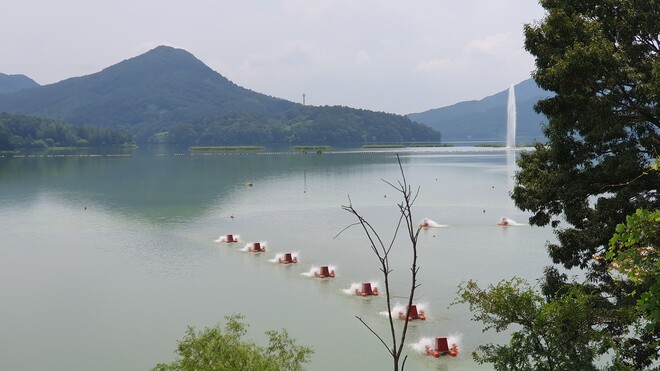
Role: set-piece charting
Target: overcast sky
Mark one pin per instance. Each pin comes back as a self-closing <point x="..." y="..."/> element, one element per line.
<point x="399" y="56"/>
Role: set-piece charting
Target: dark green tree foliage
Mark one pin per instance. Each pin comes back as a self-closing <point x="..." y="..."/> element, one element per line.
<point x="223" y="348"/>
<point x="303" y="125"/>
<point x="635" y="256"/>
<point x="561" y="334"/>
<point x="337" y="124"/>
<point x="602" y="59"/>
<point x="5" y="139"/>
<point x="27" y="132"/>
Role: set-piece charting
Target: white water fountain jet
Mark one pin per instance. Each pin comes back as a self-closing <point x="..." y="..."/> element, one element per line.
<point x="511" y="138"/>
<point x="511" y="119"/>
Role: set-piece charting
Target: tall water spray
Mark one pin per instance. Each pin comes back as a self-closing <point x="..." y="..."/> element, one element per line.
<point x="511" y="119"/>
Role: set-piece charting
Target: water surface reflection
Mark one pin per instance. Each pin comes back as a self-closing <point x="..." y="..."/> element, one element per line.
<point x="104" y="261"/>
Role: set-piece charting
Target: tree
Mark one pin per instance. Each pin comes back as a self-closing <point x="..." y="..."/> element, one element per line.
<point x="564" y="327"/>
<point x="633" y="251"/>
<point x="549" y="335"/>
<point x="602" y="60"/>
<point x="220" y="348"/>
<point x="5" y="139"/>
<point x="382" y="251"/>
<point x="27" y="131"/>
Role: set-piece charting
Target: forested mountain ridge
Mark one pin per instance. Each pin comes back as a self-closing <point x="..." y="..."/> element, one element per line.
<point x="486" y="119"/>
<point x="14" y="83"/>
<point x="163" y="84"/>
<point x="168" y="95"/>
<point x="301" y="125"/>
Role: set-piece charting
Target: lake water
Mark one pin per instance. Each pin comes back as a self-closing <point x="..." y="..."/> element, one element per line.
<point x="105" y="260"/>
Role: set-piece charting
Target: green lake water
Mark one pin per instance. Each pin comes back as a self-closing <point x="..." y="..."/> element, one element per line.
<point x="104" y="260"/>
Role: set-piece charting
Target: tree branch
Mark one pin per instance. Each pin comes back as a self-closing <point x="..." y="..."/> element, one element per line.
<point x="375" y="334"/>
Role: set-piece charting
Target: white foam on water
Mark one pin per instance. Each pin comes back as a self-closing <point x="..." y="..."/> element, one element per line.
<point x="508" y="222"/>
<point x="312" y="270"/>
<point x="351" y="290"/>
<point x="455" y="338"/>
<point x="420" y="346"/>
<point x="428" y="223"/>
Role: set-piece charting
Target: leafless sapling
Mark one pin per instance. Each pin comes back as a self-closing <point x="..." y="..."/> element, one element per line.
<point x="382" y="251"/>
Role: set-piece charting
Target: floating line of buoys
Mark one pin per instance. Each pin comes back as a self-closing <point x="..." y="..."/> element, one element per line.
<point x="440" y="346"/>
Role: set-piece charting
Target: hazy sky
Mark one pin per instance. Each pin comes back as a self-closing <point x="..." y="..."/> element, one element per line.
<point x="399" y="56"/>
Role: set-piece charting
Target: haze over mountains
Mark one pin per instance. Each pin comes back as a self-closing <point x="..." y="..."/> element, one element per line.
<point x="166" y="95"/>
<point x="164" y="84"/>
<point x="14" y="83"/>
<point x="485" y="119"/>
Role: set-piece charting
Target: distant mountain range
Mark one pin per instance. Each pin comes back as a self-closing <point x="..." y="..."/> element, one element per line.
<point x="164" y="84"/>
<point x="14" y="83"/>
<point x="166" y="95"/>
<point x="486" y="119"/>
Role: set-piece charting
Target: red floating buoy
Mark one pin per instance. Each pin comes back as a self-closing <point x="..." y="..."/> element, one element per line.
<point x="367" y="290"/>
<point x="257" y="247"/>
<point x="442" y="348"/>
<point x="288" y="259"/>
<point x="413" y="314"/>
<point x="325" y="272"/>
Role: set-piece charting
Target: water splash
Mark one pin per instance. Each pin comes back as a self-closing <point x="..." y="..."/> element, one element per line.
<point x="511" y="119"/>
<point x="316" y="270"/>
<point x="400" y="308"/>
<point x="248" y="246"/>
<point x="455" y="338"/>
<point x="279" y="257"/>
<point x="358" y="286"/>
<point x="510" y="169"/>
<point x="508" y="222"/>
<point x="223" y="238"/>
<point x="428" y="223"/>
<point x="421" y="345"/>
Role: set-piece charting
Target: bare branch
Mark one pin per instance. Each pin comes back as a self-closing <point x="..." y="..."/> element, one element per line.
<point x="374" y="332"/>
<point x="382" y="253"/>
<point x="347" y="227"/>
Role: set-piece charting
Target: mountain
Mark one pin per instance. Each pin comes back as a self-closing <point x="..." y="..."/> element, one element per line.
<point x="162" y="85"/>
<point x="486" y="119"/>
<point x="14" y="83"/>
<point x="168" y="95"/>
